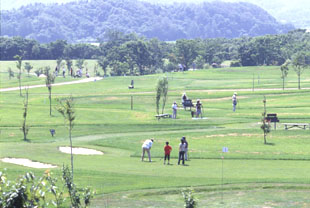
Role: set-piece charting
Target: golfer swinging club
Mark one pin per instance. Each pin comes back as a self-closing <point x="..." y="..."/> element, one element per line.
<point x="146" y="147"/>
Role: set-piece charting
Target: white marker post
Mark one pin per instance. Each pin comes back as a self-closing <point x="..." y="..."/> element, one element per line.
<point x="224" y="150"/>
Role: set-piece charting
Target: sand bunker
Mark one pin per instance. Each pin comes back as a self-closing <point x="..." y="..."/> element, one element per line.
<point x="80" y="151"/>
<point x="27" y="163"/>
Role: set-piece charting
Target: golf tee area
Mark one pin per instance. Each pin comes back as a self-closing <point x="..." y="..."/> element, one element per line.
<point x="114" y="121"/>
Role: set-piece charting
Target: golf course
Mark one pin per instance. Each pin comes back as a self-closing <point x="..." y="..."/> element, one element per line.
<point x="115" y="121"/>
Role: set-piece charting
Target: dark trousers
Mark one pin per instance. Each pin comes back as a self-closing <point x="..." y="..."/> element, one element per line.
<point x="167" y="157"/>
<point x="181" y="157"/>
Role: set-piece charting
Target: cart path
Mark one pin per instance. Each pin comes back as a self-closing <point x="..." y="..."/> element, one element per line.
<point x="220" y="90"/>
<point x="92" y="79"/>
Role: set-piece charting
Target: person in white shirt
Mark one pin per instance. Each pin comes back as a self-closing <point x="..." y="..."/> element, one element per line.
<point x="146" y="147"/>
<point x="234" y="101"/>
<point x="174" y="110"/>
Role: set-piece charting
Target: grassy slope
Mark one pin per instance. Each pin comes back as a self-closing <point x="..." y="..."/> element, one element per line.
<point x="105" y="122"/>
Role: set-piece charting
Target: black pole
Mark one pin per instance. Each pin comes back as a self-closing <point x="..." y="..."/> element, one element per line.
<point x="131" y="102"/>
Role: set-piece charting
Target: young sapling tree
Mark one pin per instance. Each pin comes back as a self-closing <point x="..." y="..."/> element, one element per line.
<point x="49" y="80"/>
<point x="66" y="109"/>
<point x="284" y="71"/>
<point x="25" y="128"/>
<point x="19" y="63"/>
<point x="10" y="72"/>
<point x="28" y="67"/>
<point x="265" y="124"/>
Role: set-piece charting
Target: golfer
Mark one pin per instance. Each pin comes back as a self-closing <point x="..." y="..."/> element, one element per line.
<point x="146" y="147"/>
<point x="186" y="148"/>
<point x="198" y="109"/>
<point x="174" y="110"/>
<point x="182" y="148"/>
<point x="234" y="101"/>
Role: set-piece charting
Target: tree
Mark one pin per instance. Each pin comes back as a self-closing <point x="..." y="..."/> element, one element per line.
<point x="49" y="80"/>
<point x="66" y="109"/>
<point x="265" y="124"/>
<point x="79" y="63"/>
<point x="199" y="61"/>
<point x="161" y="92"/>
<point x="28" y="67"/>
<point x="19" y="63"/>
<point x="25" y="127"/>
<point x="139" y="54"/>
<point x="186" y="51"/>
<point x="284" y="71"/>
<point x="59" y="64"/>
<point x="103" y="63"/>
<point x="69" y="64"/>
<point x="10" y="72"/>
<point x="299" y="65"/>
<point x="96" y="73"/>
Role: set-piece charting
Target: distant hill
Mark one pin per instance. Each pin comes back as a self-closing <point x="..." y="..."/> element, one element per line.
<point x="296" y="12"/>
<point x="86" y="21"/>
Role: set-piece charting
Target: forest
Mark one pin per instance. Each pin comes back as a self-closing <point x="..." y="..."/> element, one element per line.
<point x="88" y="21"/>
<point x="132" y="54"/>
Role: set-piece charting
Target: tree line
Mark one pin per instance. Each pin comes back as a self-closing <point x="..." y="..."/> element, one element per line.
<point x="130" y="54"/>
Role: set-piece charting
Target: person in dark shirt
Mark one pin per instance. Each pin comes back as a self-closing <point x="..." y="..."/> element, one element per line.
<point x="198" y="108"/>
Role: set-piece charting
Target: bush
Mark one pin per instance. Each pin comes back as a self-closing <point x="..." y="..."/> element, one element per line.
<point x="169" y="67"/>
<point x="189" y="199"/>
<point x="236" y="63"/>
<point x="30" y="191"/>
<point x="206" y="66"/>
<point x="38" y="72"/>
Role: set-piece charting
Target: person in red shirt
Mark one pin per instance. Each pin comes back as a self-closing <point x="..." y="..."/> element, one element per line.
<point x="167" y="149"/>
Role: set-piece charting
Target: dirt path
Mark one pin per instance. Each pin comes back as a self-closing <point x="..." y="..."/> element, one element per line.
<point x="92" y="79"/>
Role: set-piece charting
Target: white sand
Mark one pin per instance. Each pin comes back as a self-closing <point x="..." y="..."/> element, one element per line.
<point x="27" y="163"/>
<point x="80" y="151"/>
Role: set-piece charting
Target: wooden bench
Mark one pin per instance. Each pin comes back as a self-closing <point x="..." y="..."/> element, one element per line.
<point x="298" y="125"/>
<point x="163" y="116"/>
<point x="272" y="117"/>
<point x="188" y="103"/>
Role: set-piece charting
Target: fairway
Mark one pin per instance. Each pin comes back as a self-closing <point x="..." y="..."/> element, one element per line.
<point x="252" y="174"/>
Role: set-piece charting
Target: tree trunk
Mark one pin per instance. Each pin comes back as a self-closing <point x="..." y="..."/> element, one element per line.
<point x="50" y="98"/>
<point x="20" y="87"/>
<point x="70" y="128"/>
<point x="265" y="142"/>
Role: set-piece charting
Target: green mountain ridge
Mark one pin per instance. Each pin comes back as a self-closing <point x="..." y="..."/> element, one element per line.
<point x="87" y="21"/>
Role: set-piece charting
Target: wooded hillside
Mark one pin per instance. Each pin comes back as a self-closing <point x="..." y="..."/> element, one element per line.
<point x="87" y="21"/>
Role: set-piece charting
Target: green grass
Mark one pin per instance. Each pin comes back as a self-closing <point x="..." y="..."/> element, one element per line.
<point x="105" y="122"/>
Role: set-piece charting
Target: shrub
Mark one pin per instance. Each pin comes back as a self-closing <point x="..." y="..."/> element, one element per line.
<point x="30" y="191"/>
<point x="236" y="63"/>
<point x="189" y="199"/>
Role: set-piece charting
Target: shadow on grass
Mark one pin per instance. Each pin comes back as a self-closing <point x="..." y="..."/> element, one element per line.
<point x="270" y="143"/>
